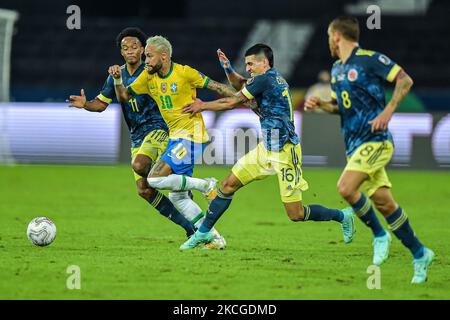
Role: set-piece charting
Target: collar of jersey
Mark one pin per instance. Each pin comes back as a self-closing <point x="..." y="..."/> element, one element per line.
<point x="170" y="71"/>
<point x="126" y="69"/>
<point x="351" y="55"/>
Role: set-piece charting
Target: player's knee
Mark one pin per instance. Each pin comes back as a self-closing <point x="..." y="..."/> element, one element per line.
<point x="140" y="167"/>
<point x="345" y="190"/>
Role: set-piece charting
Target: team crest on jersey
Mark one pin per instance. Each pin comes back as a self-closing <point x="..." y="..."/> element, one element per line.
<point x="384" y="59"/>
<point x="173" y="87"/>
<point x="164" y="87"/>
<point x="352" y="75"/>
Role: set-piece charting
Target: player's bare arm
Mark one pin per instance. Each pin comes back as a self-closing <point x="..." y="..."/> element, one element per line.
<point x="217" y="105"/>
<point x="314" y="103"/>
<point x="121" y="91"/>
<point x="235" y="79"/>
<point x="403" y="85"/>
<point x="228" y="91"/>
<point x="81" y="102"/>
<point x="222" y="89"/>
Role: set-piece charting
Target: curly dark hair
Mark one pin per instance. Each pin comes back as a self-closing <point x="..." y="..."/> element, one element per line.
<point x="131" y="32"/>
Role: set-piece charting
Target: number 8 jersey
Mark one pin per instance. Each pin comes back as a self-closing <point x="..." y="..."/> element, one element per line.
<point x="172" y="92"/>
<point x="357" y="86"/>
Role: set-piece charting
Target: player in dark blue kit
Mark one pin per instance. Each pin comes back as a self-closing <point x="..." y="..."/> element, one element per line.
<point x="279" y="153"/>
<point x="358" y="97"/>
<point x="148" y="131"/>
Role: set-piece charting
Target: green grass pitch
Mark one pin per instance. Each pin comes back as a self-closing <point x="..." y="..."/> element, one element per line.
<point x="126" y="250"/>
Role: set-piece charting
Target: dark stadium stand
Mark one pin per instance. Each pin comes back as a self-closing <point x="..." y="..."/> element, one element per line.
<point x="67" y="60"/>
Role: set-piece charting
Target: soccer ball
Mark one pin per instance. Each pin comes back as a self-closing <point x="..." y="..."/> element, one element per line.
<point x="41" y="231"/>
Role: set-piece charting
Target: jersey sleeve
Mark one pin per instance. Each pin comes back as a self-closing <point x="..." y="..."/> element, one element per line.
<point x="139" y="85"/>
<point x="195" y="78"/>
<point x="107" y="93"/>
<point x="254" y="86"/>
<point x="384" y="67"/>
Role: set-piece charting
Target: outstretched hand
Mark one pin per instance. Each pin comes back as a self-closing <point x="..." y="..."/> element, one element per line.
<point x="193" y="108"/>
<point x="115" y="71"/>
<point x="224" y="61"/>
<point x="77" y="101"/>
<point x="312" y="103"/>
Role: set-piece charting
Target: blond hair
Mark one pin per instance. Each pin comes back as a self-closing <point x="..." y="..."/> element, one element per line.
<point x="161" y="43"/>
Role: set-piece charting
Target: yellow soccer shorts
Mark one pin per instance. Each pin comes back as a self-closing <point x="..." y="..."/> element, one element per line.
<point x="153" y="146"/>
<point x="372" y="158"/>
<point x="286" y="164"/>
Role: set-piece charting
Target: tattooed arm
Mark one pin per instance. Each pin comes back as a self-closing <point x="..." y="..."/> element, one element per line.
<point x="222" y="89"/>
<point x="228" y="91"/>
<point x="403" y="84"/>
<point x="217" y="105"/>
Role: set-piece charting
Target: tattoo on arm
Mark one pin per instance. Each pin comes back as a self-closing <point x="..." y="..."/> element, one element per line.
<point x="402" y="87"/>
<point x="157" y="168"/>
<point x="221" y="89"/>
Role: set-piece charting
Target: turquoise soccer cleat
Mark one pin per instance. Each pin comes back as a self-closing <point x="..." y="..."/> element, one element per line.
<point x="196" y="239"/>
<point x="421" y="266"/>
<point x="348" y="224"/>
<point x="381" y="249"/>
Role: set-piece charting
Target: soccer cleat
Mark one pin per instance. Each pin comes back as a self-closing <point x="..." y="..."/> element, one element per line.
<point x="196" y="239"/>
<point x="381" y="249"/>
<point x="348" y="225"/>
<point x="421" y="266"/>
<point x="211" y="192"/>
<point x="217" y="243"/>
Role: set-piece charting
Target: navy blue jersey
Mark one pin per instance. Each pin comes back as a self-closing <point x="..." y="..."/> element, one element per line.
<point x="141" y="112"/>
<point x="272" y="94"/>
<point x="358" y="88"/>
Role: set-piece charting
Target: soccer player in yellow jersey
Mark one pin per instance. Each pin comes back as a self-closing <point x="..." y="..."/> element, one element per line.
<point x="173" y="86"/>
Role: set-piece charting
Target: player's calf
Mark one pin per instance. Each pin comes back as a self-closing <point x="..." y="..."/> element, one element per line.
<point x="295" y="211"/>
<point x="144" y="190"/>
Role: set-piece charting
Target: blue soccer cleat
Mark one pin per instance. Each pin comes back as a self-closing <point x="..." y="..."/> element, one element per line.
<point x="381" y="249"/>
<point x="348" y="225"/>
<point x="196" y="239"/>
<point x="421" y="266"/>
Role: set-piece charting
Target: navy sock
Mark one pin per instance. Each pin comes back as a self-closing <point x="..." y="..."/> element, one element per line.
<point x="315" y="212"/>
<point x="364" y="210"/>
<point x="161" y="203"/>
<point x="216" y="208"/>
<point x="399" y="224"/>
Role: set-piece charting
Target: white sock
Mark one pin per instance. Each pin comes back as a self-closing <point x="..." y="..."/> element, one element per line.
<point x="189" y="209"/>
<point x="178" y="182"/>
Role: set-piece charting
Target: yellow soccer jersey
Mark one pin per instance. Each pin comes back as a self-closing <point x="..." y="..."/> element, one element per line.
<point x="172" y="92"/>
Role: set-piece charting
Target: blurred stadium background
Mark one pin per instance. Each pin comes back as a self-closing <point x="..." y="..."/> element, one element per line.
<point x="42" y="62"/>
